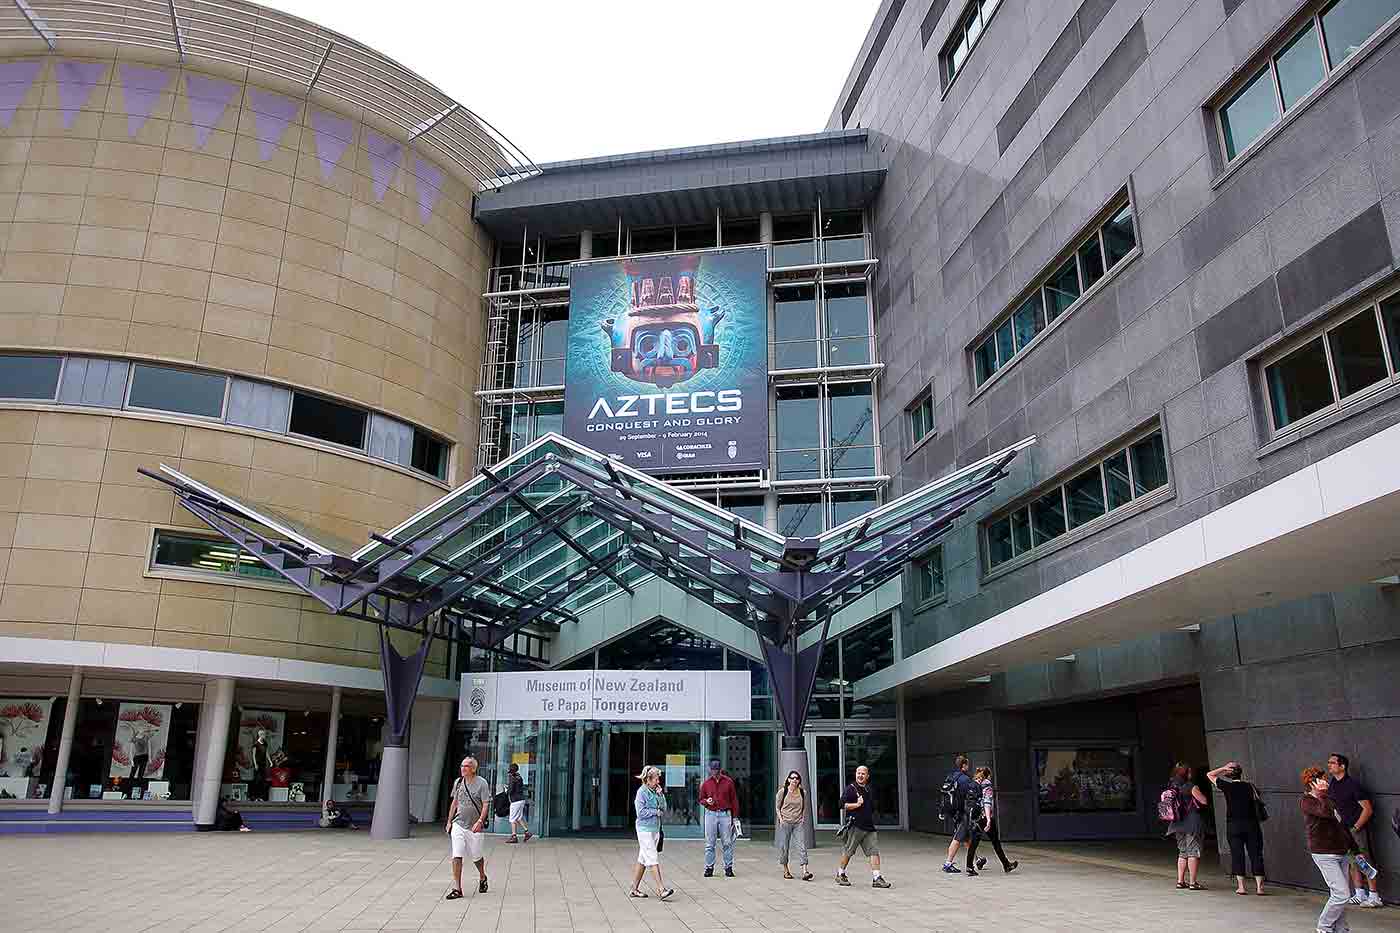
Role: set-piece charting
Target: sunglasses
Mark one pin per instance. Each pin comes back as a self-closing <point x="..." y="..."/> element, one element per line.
<point x="795" y="777"/>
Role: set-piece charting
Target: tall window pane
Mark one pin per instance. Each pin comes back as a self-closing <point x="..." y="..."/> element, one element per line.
<point x="1249" y="113"/>
<point x="1062" y="290"/>
<point x="739" y="231"/>
<point x="549" y="419"/>
<point x="653" y="240"/>
<point x="800" y="516"/>
<point x="984" y="360"/>
<point x="749" y="508"/>
<point x="429" y="455"/>
<point x="552" y="333"/>
<point x="1028" y="320"/>
<point x="1006" y="342"/>
<point x="1048" y="517"/>
<point x="1299" y="384"/>
<point x="1390" y="314"/>
<point x="867" y="649"/>
<point x="795" y="327"/>
<point x="1347" y="24"/>
<point x="1091" y="262"/>
<point x="696" y="236"/>
<point x="179" y="390"/>
<point x="852" y="429"/>
<point x="847" y="324"/>
<point x="928" y="572"/>
<point x="848" y="505"/>
<point x="1300" y="67"/>
<point x="1357" y="354"/>
<point x="1085" y="494"/>
<point x="799" y="432"/>
<point x="1149" y="464"/>
<point x="1118" y="236"/>
<point x="1120" y="488"/>
<point x="29" y="376"/>
<point x="999" y="547"/>
<point x="1021" y="530"/>
<point x="328" y="421"/>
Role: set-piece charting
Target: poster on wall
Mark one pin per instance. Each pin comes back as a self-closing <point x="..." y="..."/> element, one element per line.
<point x="249" y="722"/>
<point x="138" y="748"/>
<point x="24" y="728"/>
<point x="1082" y="780"/>
<point x="668" y="360"/>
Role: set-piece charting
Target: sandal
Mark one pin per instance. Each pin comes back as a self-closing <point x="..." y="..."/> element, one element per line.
<point x="1182" y="885"/>
<point x="787" y="874"/>
<point x="635" y="893"/>
<point x="453" y="894"/>
<point x="1196" y="886"/>
<point x="667" y="893"/>
<point x="806" y="876"/>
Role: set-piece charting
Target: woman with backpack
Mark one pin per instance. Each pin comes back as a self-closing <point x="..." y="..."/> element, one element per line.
<point x="1244" y="814"/>
<point x="1181" y="803"/>
<point x="791" y="807"/>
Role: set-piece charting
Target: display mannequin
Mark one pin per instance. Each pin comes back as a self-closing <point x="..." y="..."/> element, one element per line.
<point x="140" y="754"/>
<point x="261" y="761"/>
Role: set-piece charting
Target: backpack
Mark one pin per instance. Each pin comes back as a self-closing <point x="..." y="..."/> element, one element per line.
<point x="1171" y="806"/>
<point x="950" y="805"/>
<point x="501" y="804"/>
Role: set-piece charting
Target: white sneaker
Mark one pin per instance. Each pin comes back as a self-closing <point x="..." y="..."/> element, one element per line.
<point x="1357" y="900"/>
<point x="1373" y="901"/>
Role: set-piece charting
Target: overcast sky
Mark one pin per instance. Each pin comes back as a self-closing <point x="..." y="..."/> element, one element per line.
<point x="571" y="79"/>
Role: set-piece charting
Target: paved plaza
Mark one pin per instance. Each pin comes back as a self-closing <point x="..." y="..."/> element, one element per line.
<point x="324" y="881"/>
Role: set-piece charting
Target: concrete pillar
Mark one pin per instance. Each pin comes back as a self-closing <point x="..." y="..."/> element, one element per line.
<point x="765" y="227"/>
<point x="332" y="738"/>
<point x="218" y="695"/>
<point x="444" y="735"/>
<point x="585" y="245"/>
<point x="65" y="742"/>
<point x="390" y="819"/>
<point x="793" y="757"/>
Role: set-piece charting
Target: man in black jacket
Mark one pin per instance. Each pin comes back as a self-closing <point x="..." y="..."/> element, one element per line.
<point x="515" y="789"/>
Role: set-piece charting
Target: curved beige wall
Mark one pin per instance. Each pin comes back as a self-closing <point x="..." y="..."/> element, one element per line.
<point x="154" y="246"/>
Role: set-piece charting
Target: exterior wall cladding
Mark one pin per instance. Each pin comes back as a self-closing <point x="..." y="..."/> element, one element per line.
<point x="1060" y="105"/>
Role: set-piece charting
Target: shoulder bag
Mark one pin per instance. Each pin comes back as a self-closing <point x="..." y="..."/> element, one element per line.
<point x="845" y="817"/>
<point x="1261" y="812"/>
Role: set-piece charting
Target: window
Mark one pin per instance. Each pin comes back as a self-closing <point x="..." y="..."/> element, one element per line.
<point x="847" y="324"/>
<point x="750" y="508"/>
<point x="429" y="455"/>
<point x="29" y="377"/>
<point x="918" y="418"/>
<point x="325" y="420"/>
<point x="799" y="435"/>
<point x="1111" y="242"/>
<point x="1085" y="780"/>
<point x="801" y="515"/>
<point x="793" y="243"/>
<point x="696" y="236"/>
<point x="206" y="555"/>
<point x="1330" y="37"/>
<point x="653" y="240"/>
<point x="965" y="35"/>
<point x="604" y="245"/>
<point x="1129" y="473"/>
<point x="852" y="429"/>
<point x="525" y="422"/>
<point x="1338" y="365"/>
<point x="928" y="577"/>
<point x="740" y="231"/>
<point x="843" y="238"/>
<point x="93" y="381"/>
<point x="795" y="343"/>
<point x="848" y="505"/>
<point x="179" y="390"/>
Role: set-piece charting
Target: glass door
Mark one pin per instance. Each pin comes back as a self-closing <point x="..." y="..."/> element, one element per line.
<point x="824" y="763"/>
<point x="675" y="749"/>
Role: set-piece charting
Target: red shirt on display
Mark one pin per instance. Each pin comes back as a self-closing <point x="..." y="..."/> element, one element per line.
<point x="723" y="790"/>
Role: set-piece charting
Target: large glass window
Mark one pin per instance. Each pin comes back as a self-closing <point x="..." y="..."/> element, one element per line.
<point x="750" y="508"/>
<point x="851" y="504"/>
<point x="843" y="237"/>
<point x="739" y="231"/>
<point x="659" y="646"/>
<point x="1338" y="365"/>
<point x="327" y="421"/>
<point x="1110" y="243"/>
<point x="795" y="342"/>
<point x="430" y="455"/>
<point x="129" y="748"/>
<point x="179" y="390"/>
<point x="1303" y="61"/>
<point x="847" y="324"/>
<point x="174" y="551"/>
<point x="800" y="515"/>
<point x="653" y="240"/>
<point x="965" y="36"/>
<point x="799" y="418"/>
<point x="878" y="751"/>
<point x="919" y="419"/>
<point x="29" y="377"/>
<point x="696" y="236"/>
<point x="928" y="576"/>
<point x="793" y="242"/>
<point x="1132" y="471"/>
<point x="852" y="429"/>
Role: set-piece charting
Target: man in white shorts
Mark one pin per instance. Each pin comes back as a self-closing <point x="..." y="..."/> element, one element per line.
<point x="519" y="798"/>
<point x="466" y="820"/>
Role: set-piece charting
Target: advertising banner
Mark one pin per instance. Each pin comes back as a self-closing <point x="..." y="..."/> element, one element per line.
<point x="24" y="728"/>
<point x="667" y="364"/>
<point x="618" y="696"/>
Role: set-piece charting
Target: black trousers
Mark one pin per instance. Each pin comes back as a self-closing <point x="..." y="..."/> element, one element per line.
<point x="992" y="834"/>
<point x="138" y="767"/>
<point x="1246" y="839"/>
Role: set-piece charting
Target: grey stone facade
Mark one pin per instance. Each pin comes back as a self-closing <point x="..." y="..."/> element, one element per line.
<point x="1060" y="105"/>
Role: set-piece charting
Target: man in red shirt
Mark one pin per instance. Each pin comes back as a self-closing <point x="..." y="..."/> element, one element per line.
<point x="720" y="798"/>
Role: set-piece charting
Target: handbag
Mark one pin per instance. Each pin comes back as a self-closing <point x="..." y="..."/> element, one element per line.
<point x="845" y="821"/>
<point x="1261" y="812"/>
<point x="660" y="840"/>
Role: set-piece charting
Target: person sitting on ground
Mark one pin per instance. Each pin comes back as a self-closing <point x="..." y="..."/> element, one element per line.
<point x="332" y="817"/>
<point x="227" y="819"/>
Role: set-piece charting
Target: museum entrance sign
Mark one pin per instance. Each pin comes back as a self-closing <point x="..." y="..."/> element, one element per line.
<point x="616" y="696"/>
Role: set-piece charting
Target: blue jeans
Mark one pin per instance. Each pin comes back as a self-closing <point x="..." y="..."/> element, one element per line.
<point x="721" y="824"/>
<point x="1334" y="872"/>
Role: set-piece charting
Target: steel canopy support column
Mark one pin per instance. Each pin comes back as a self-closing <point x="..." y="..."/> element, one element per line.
<point x="332" y="740"/>
<point x="793" y="673"/>
<point x="402" y="675"/>
<point x="65" y="742"/>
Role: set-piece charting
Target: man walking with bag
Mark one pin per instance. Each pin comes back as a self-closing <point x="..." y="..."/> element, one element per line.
<point x="858" y="802"/>
<point x="466" y="819"/>
<point x="957" y="787"/>
<point x="720" y="798"/>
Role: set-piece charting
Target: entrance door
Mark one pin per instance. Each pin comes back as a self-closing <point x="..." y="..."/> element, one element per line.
<point x="625" y="750"/>
<point x="824" y="762"/>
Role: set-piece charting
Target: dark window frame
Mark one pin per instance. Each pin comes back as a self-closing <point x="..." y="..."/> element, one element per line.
<point x="913" y="440"/>
<point x="949" y="67"/>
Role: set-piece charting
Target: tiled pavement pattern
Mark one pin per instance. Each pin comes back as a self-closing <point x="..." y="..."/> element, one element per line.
<point x="344" y="881"/>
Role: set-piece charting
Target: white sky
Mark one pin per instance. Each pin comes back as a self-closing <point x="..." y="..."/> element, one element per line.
<point x="567" y="79"/>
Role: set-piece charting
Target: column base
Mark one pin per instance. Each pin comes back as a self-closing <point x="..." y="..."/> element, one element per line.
<point x="390" y="819"/>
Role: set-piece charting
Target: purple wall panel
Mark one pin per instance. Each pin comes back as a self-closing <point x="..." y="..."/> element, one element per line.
<point x="16" y="78"/>
<point x="272" y="114"/>
<point x="429" y="180"/>
<point x="333" y="136"/>
<point x="141" y="89"/>
<point x="75" y="83"/>
<point x="209" y="98"/>
<point x="384" y="157"/>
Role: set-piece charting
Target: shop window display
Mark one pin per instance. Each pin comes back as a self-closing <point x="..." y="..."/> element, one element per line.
<point x="126" y="749"/>
<point x="277" y="756"/>
<point x="1079" y="780"/>
<point x="359" y="747"/>
<point x="24" y="731"/>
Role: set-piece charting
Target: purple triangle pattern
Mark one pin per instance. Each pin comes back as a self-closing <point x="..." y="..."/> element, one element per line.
<point x="141" y="87"/>
<point x="333" y="136"/>
<point x="429" y="179"/>
<point x="209" y="98"/>
<point x="272" y="114"/>
<point x="384" y="157"/>
<point x="75" y="83"/>
<point x="16" y="78"/>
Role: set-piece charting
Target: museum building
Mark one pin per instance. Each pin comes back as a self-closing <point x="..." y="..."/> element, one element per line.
<point x="264" y="262"/>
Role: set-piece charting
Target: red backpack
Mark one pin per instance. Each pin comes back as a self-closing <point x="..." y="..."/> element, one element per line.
<point x="1172" y="805"/>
